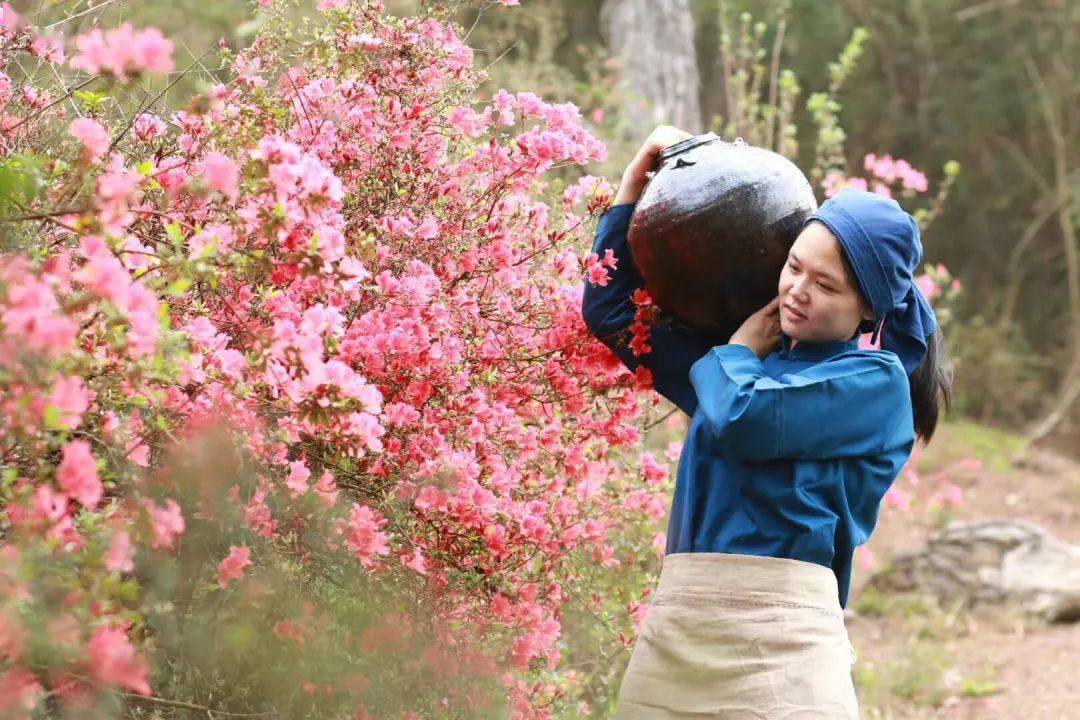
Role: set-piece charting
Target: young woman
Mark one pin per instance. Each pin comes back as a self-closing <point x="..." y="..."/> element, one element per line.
<point x="796" y="435"/>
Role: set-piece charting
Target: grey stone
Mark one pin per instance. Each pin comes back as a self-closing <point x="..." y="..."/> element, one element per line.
<point x="998" y="561"/>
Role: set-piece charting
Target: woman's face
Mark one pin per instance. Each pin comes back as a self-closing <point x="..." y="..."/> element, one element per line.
<point x="814" y="283"/>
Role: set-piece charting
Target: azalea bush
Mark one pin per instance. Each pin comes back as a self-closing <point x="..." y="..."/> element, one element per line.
<point x="299" y="415"/>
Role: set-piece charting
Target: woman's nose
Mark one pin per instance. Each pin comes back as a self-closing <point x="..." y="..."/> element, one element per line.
<point x="798" y="288"/>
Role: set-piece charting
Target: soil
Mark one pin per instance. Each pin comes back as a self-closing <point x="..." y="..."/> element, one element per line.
<point x="918" y="659"/>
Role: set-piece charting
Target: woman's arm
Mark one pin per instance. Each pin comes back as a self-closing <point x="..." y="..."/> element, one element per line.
<point x="608" y="313"/>
<point x="607" y="309"/>
<point x="855" y="405"/>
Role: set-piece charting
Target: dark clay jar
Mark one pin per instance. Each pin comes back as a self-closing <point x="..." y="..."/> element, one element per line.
<point x="712" y="229"/>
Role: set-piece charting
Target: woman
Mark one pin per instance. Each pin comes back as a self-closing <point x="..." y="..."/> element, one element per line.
<point x="796" y="435"/>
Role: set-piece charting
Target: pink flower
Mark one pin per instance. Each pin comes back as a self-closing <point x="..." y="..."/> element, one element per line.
<point x="971" y="464"/>
<point x="655" y="473"/>
<point x="94" y="137"/>
<point x="120" y="553"/>
<point x="168" y="523"/>
<point x="10" y="25"/>
<point x="595" y="271"/>
<point x="12" y="639"/>
<point x="954" y="495"/>
<point x="430" y="497"/>
<point x="915" y="180"/>
<point x="865" y="557"/>
<point x="297" y="482"/>
<point x="465" y="120"/>
<point x="927" y="286"/>
<point x="415" y="561"/>
<point x="123" y="51"/>
<point x="150" y="52"/>
<point x="49" y="49"/>
<point x="71" y="399"/>
<point x="47" y="505"/>
<point x="326" y="490"/>
<point x="658" y="543"/>
<point x="221" y="174"/>
<point x="77" y="473"/>
<point x="882" y="189"/>
<point x="428" y="229"/>
<point x="897" y="497"/>
<point x="19" y="689"/>
<point x="232" y="567"/>
<point x="363" y="534"/>
<point x="113" y="662"/>
<point x="148" y="127"/>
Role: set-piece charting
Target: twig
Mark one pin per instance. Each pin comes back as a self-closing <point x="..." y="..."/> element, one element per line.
<point x="157" y="97"/>
<point x="210" y="712"/>
<point x="656" y="422"/>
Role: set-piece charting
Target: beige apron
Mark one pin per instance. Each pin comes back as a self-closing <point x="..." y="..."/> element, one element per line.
<point x="741" y="637"/>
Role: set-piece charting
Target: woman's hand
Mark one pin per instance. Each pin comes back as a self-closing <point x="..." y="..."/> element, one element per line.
<point x="633" y="178"/>
<point x="761" y="331"/>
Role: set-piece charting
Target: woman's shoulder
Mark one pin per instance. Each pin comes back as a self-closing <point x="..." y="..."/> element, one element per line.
<point x="872" y="356"/>
<point x="884" y="365"/>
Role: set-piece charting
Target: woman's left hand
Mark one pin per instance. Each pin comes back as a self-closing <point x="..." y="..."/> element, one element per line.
<point x="761" y="331"/>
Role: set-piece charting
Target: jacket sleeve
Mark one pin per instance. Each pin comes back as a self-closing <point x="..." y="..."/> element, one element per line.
<point x="854" y="405"/>
<point x="608" y="313"/>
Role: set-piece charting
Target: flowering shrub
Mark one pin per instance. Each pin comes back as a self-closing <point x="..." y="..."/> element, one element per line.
<point x="885" y="172"/>
<point x="339" y="262"/>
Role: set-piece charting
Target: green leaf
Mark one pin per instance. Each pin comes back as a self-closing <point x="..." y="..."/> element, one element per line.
<point x="51" y="417"/>
<point x="91" y="101"/>
<point x="21" y="182"/>
<point x="178" y="286"/>
<point x="175" y="233"/>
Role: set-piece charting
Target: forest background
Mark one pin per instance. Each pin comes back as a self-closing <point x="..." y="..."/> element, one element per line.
<point x="992" y="86"/>
<point x="971" y="107"/>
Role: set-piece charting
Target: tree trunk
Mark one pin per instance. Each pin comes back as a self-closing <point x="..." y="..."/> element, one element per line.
<point x="653" y="40"/>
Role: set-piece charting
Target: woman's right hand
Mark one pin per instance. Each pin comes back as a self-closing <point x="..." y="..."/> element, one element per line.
<point x="633" y="178"/>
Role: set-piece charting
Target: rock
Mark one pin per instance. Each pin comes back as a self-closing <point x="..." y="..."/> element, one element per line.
<point x="998" y="561"/>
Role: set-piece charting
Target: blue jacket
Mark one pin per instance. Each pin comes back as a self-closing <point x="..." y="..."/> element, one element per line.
<point x="789" y="456"/>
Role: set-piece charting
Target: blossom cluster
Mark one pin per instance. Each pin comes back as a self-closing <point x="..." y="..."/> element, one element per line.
<point x="344" y="258"/>
<point x="884" y="174"/>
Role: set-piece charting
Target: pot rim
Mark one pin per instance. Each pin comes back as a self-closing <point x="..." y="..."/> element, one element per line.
<point x="687" y="144"/>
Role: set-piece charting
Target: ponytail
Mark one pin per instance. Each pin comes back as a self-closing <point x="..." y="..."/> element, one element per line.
<point x="932" y="377"/>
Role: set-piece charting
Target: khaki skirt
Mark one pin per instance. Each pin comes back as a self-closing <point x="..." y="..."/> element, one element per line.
<point x="744" y="637"/>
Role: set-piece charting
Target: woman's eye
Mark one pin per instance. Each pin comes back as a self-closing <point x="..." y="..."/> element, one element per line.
<point x="793" y="268"/>
<point x="825" y="287"/>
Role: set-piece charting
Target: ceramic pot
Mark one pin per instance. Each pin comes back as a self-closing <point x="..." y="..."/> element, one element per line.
<point x="712" y="229"/>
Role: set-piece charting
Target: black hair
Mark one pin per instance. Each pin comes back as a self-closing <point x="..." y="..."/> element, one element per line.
<point x="932" y="378"/>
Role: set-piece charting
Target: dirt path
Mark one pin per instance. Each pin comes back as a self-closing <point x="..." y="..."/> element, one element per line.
<point x="918" y="659"/>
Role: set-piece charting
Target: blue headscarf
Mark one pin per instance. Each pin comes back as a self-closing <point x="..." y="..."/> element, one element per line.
<point x="882" y="243"/>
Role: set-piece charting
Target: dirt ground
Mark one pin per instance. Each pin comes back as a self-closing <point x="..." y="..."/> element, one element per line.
<point x="919" y="659"/>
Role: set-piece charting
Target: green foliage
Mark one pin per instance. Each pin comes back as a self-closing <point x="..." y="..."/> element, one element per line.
<point x="824" y="108"/>
<point x="922" y="673"/>
<point x="1003" y="378"/>
<point x="22" y="178"/>
<point x="960" y="439"/>
<point x="759" y="98"/>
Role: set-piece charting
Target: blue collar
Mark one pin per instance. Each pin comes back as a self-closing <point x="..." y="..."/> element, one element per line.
<point x="805" y="350"/>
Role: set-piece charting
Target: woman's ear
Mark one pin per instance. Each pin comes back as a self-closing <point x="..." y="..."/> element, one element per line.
<point x="867" y="311"/>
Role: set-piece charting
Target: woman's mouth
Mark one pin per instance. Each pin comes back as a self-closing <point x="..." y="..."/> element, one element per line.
<point x="794" y="315"/>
